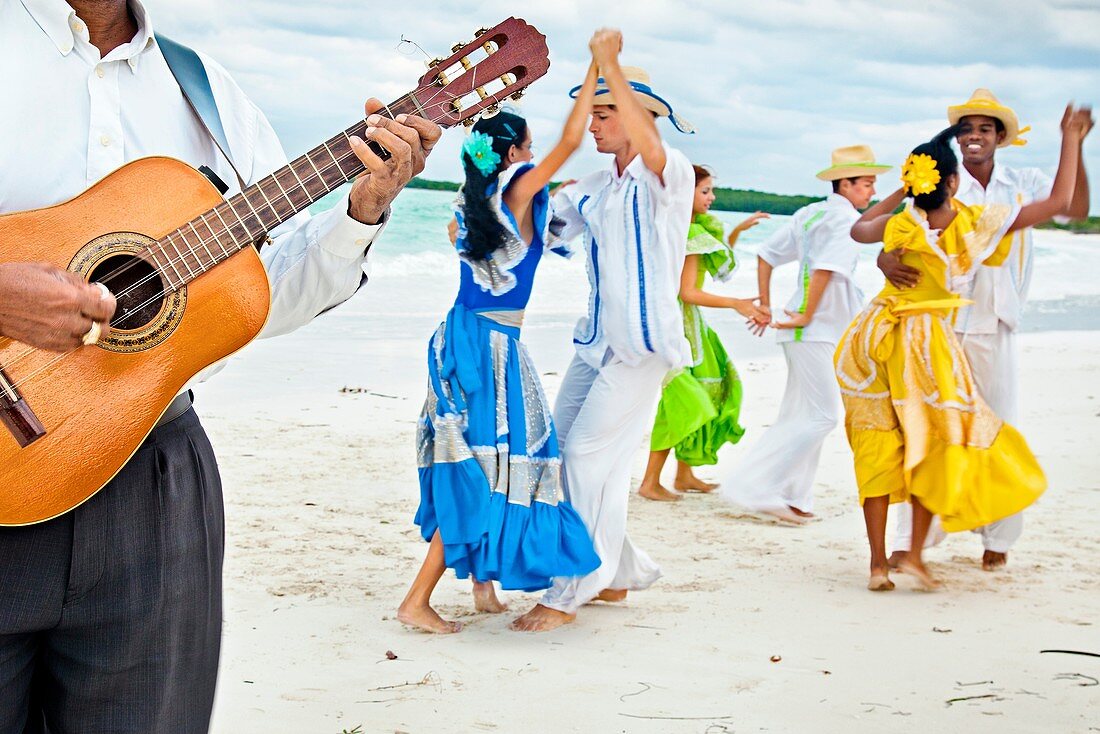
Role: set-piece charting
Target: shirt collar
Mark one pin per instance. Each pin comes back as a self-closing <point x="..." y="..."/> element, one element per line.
<point x="967" y="180"/>
<point x="836" y="200"/>
<point x="59" y="22"/>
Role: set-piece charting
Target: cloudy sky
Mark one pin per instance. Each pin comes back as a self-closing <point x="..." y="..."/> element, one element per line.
<point x="772" y="87"/>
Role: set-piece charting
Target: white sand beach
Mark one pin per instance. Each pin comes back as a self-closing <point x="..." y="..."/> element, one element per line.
<point x="754" y="627"/>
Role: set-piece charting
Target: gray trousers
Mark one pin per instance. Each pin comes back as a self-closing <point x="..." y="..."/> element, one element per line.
<point x="110" y="615"/>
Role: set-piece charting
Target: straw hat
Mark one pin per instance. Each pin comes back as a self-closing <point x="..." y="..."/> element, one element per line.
<point x="982" y="102"/>
<point x="639" y="82"/>
<point x="853" y="161"/>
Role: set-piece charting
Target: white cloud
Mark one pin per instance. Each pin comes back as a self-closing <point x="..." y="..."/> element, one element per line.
<point x="772" y="86"/>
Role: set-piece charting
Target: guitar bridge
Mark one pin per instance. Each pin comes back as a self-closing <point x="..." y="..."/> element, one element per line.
<point x="17" y="415"/>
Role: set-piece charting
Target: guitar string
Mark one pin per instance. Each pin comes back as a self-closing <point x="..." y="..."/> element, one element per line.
<point x="492" y="99"/>
<point x="215" y="236"/>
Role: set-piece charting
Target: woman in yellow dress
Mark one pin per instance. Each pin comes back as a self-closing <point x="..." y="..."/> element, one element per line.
<point x="919" y="430"/>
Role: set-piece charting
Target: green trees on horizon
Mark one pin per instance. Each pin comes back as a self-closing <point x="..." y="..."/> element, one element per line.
<point x="731" y="200"/>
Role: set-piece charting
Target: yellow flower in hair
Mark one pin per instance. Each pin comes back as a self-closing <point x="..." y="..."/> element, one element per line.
<point x="919" y="174"/>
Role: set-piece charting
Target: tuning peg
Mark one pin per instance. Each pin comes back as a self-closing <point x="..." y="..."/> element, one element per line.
<point x="457" y="47"/>
<point x="468" y="122"/>
<point x="480" y="32"/>
<point x="491" y="110"/>
<point x="517" y="95"/>
<point x="435" y="62"/>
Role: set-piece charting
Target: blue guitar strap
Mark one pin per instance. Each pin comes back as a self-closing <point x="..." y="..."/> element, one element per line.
<point x="190" y="74"/>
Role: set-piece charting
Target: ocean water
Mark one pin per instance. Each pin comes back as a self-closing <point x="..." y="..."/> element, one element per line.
<point x="378" y="339"/>
<point x="414" y="273"/>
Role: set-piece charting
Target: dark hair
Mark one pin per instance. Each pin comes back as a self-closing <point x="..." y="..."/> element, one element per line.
<point x="947" y="163"/>
<point x="836" y="183"/>
<point x="701" y="173"/>
<point x="484" y="232"/>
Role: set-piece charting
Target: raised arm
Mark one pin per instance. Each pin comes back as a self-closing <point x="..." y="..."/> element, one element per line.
<point x="1079" y="208"/>
<point x="745" y="225"/>
<point x="872" y="223"/>
<point x="1075" y="124"/>
<point x="519" y="195"/>
<point x="638" y="122"/>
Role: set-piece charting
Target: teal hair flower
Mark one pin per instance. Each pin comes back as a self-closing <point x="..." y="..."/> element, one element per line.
<point x="479" y="147"/>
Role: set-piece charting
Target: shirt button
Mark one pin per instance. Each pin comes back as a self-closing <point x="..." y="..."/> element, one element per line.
<point x="104" y="140"/>
<point x="78" y="26"/>
<point x="99" y="71"/>
<point x="360" y="242"/>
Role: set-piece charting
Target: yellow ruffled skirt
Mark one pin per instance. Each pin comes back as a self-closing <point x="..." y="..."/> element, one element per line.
<point x="917" y="425"/>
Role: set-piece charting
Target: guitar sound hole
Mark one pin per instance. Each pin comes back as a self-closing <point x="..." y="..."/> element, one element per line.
<point x="136" y="286"/>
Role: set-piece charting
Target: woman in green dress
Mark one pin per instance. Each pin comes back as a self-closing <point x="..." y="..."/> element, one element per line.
<point x="700" y="405"/>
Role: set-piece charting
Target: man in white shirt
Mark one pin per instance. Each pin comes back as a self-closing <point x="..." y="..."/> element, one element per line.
<point x="776" y="475"/>
<point x="110" y="615"/>
<point x="987" y="329"/>
<point x="635" y="218"/>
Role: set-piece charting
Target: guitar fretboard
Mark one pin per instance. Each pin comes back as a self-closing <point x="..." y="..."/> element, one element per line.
<point x="246" y="218"/>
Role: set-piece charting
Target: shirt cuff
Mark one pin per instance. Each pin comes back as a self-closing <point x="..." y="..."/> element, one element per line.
<point x="344" y="236"/>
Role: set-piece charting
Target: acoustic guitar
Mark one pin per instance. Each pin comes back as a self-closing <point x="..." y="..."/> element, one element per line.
<point x="183" y="265"/>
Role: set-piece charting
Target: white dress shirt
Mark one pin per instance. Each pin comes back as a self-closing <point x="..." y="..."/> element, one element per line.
<point x="819" y="237"/>
<point x="69" y="118"/>
<point x="635" y="233"/>
<point x="999" y="293"/>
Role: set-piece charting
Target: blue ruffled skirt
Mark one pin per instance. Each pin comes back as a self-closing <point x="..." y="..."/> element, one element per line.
<point x="490" y="471"/>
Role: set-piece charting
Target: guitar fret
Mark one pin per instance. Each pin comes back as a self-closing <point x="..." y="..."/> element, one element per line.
<point x="283" y="191"/>
<point x="330" y="155"/>
<point x="202" y="242"/>
<point x="314" y="166"/>
<point x="247" y="231"/>
<point x="214" y="235"/>
<point x="183" y="257"/>
<point x="189" y="250"/>
<point x="419" y="109"/>
<point x="270" y="206"/>
<point x="160" y="268"/>
<point x="228" y="231"/>
<point x="168" y="240"/>
<point x="309" y="195"/>
<point x="255" y="213"/>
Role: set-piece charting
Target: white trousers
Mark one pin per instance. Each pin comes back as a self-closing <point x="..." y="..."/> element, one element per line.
<point x="601" y="417"/>
<point x="993" y="360"/>
<point x="778" y="470"/>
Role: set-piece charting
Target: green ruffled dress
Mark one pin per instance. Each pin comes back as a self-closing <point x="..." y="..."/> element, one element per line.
<point x="700" y="405"/>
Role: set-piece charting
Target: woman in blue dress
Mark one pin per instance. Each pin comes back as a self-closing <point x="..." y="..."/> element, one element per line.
<point x="492" y="504"/>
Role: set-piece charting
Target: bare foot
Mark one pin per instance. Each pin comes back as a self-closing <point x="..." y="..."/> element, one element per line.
<point x="800" y="513"/>
<point x="880" y="581"/>
<point x="896" y="558"/>
<point x="692" y="483"/>
<point x="485" y="598"/>
<point x="611" y="595"/>
<point x="918" y="571"/>
<point x="427" y="620"/>
<point x="786" y="516"/>
<point x="657" y="492"/>
<point x="994" y="561"/>
<point x="541" y="619"/>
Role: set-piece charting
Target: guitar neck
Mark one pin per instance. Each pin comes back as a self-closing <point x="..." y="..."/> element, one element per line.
<point x="245" y="219"/>
<point x="477" y="76"/>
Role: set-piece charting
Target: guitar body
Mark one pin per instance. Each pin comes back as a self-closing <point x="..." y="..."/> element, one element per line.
<point x="98" y="403"/>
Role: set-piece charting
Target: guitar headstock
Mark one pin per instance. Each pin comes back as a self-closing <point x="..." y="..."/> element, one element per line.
<point x="498" y="64"/>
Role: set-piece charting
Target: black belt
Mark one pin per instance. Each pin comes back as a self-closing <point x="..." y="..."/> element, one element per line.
<point x="180" y="405"/>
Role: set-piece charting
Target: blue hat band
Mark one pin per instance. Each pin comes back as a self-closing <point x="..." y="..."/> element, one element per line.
<point x="645" y="89"/>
